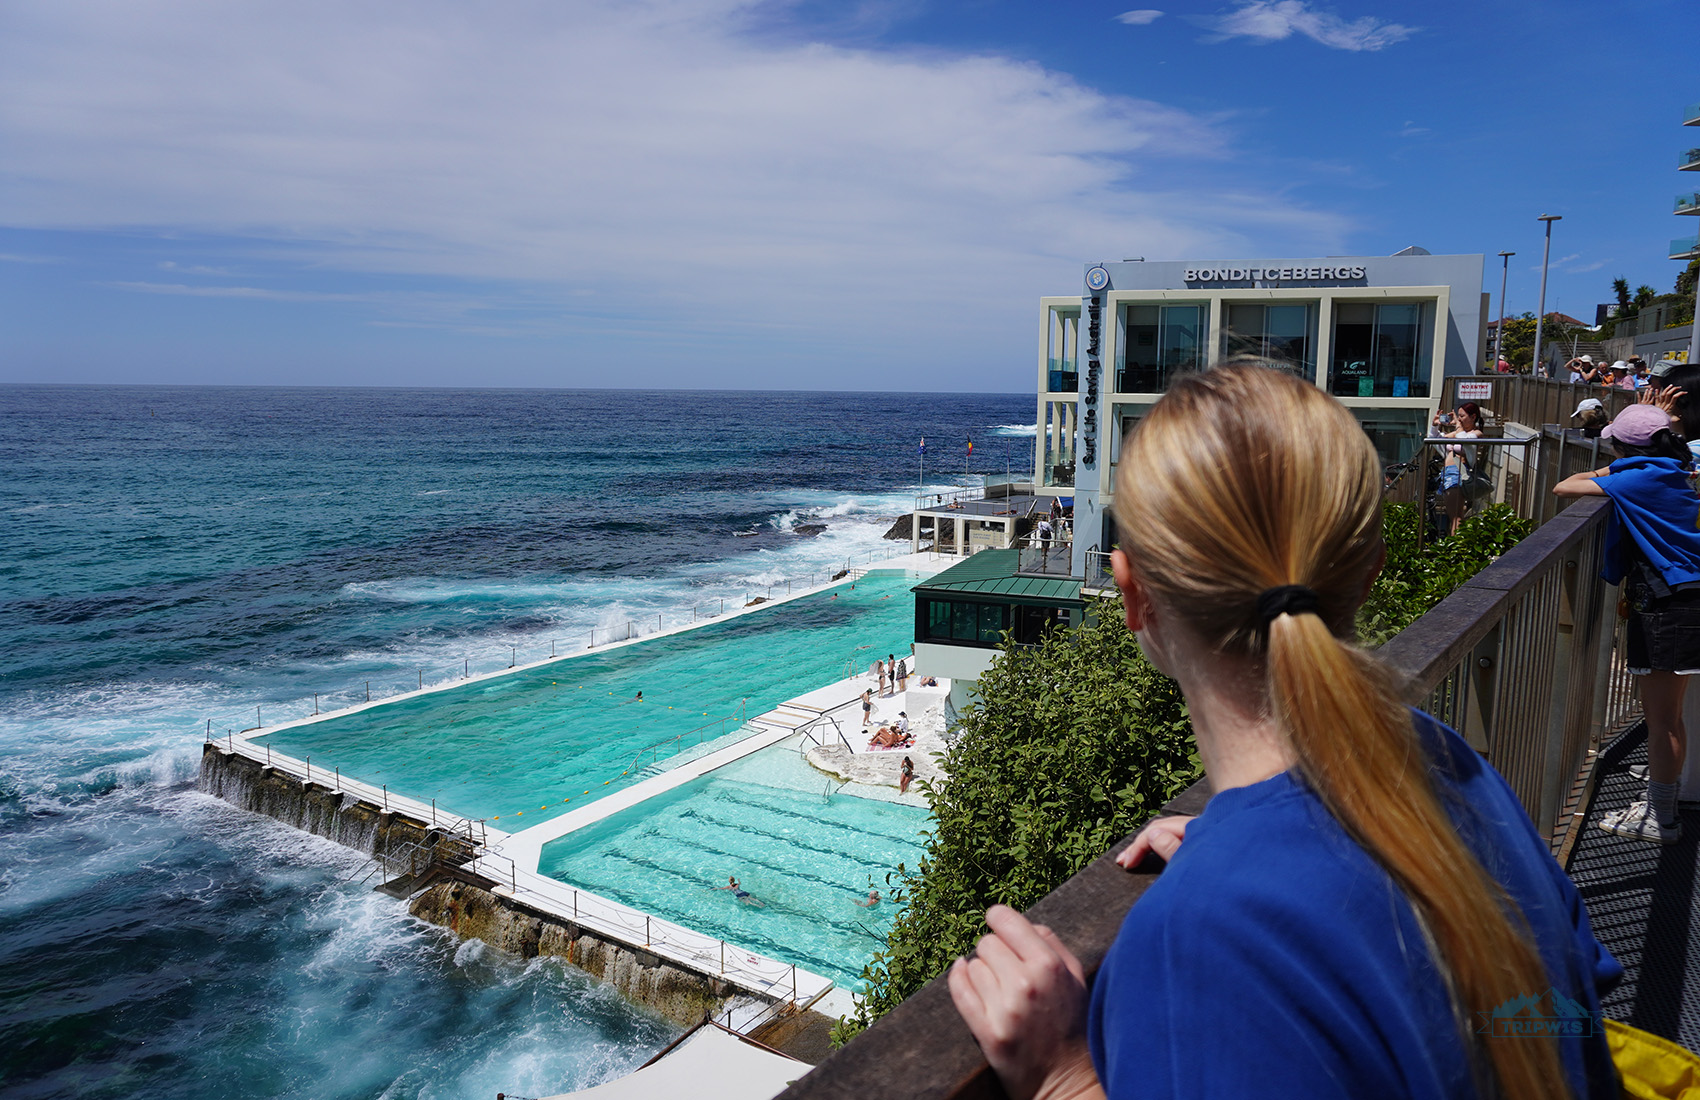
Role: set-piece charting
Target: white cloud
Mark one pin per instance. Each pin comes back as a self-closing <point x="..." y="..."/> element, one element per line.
<point x="661" y="154"/>
<point x="1139" y="18"/>
<point x="1273" y="20"/>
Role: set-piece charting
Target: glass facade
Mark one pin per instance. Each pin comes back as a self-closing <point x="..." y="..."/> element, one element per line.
<point x="1159" y="342"/>
<point x="1285" y="331"/>
<point x="1381" y="349"/>
<point x="961" y="621"/>
<point x="967" y="622"/>
<point x="1396" y="433"/>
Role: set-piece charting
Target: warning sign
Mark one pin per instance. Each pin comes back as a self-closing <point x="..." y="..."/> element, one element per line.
<point x="1475" y="389"/>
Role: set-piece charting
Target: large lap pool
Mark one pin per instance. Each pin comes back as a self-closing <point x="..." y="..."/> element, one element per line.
<point x="528" y="746"/>
<point x="805" y="848"/>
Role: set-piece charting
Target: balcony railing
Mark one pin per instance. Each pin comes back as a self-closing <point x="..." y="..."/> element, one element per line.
<point x="1689" y="203"/>
<point x="1062" y="376"/>
<point x="1689" y="161"/>
<point x="1054" y="559"/>
<point x="1685" y="248"/>
<point x="1525" y="660"/>
<point x="1691" y="115"/>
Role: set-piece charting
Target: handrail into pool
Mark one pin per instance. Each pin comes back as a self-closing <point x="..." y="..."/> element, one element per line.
<point x="1526" y="660"/>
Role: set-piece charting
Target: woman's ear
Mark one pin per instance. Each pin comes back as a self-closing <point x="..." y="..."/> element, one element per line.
<point x="1134" y="602"/>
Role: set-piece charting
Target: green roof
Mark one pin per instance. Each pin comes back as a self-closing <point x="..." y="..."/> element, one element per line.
<point x="992" y="573"/>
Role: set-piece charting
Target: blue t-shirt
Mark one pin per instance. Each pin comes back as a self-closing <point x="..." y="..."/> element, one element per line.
<point x="1655" y="507"/>
<point x="1274" y="958"/>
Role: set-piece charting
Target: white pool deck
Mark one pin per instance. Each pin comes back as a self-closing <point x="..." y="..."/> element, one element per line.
<point x="511" y="858"/>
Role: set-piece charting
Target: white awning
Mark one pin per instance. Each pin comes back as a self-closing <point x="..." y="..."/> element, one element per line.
<point x="713" y="1064"/>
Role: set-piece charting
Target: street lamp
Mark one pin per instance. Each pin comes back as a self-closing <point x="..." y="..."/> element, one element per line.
<point x="1499" y="333"/>
<point x="1541" y="315"/>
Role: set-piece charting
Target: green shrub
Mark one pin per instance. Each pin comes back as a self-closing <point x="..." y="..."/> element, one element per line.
<point x="1415" y="579"/>
<point x="1074" y="744"/>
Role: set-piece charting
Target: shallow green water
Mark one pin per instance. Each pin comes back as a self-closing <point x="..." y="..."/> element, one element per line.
<point x="526" y="747"/>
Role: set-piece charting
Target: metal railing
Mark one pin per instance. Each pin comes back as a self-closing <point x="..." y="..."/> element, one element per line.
<point x="1052" y="559"/>
<point x="1098" y="571"/>
<point x="653" y="754"/>
<point x="807" y="729"/>
<point x="332" y="779"/>
<point x="1526" y="660"/>
<point x="600" y="636"/>
<point x="696" y="951"/>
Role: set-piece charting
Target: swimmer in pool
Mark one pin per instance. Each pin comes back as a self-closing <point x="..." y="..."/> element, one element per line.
<point x="742" y="894"/>
<point x="870" y="901"/>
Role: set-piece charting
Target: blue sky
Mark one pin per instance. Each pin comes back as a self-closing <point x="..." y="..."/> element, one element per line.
<point x="805" y="195"/>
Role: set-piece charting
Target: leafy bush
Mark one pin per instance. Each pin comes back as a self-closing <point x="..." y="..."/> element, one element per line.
<point x="1075" y="743"/>
<point x="1415" y="579"/>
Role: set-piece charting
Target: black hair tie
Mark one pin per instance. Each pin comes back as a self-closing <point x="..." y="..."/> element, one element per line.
<point x="1288" y="599"/>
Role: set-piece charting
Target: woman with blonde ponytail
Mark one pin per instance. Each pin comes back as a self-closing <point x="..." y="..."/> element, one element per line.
<point x="1363" y="891"/>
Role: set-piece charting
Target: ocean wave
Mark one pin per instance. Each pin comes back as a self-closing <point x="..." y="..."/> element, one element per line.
<point x="1015" y="429"/>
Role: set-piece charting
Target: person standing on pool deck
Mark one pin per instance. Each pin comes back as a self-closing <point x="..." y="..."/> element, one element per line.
<point x="867" y="707"/>
<point x="906" y="776"/>
<point x="1363" y="889"/>
<point x="879" y="675"/>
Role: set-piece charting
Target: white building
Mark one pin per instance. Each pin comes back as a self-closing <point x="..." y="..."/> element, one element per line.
<point x="1378" y="332"/>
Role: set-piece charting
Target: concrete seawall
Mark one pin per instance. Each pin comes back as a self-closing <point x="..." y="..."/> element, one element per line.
<point x="467" y="904"/>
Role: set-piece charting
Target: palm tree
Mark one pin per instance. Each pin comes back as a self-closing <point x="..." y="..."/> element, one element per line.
<point x="1620" y="288"/>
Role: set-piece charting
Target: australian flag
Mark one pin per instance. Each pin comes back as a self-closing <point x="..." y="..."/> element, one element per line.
<point x="923" y="444"/>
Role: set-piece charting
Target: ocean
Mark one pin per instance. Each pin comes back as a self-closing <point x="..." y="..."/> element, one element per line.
<point x="172" y="559"/>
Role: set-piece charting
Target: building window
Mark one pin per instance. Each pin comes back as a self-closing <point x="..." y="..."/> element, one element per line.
<point x="1285" y="333"/>
<point x="965" y="622"/>
<point x="1158" y="343"/>
<point x="1396" y="433"/>
<point x="1381" y="350"/>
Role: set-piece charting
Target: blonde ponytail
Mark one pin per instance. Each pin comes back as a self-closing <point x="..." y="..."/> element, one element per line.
<point x="1245" y="479"/>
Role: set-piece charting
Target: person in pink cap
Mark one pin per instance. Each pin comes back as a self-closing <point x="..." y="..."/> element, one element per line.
<point x="1653" y="550"/>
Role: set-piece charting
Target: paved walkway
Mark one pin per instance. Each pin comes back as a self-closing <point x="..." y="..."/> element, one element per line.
<point x="1640" y="900"/>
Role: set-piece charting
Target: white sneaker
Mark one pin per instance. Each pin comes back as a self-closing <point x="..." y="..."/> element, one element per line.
<point x="1640" y="822"/>
<point x="1638" y="771"/>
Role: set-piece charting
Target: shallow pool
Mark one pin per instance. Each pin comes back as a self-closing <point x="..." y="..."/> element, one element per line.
<point x="795" y="840"/>
<point x="528" y="746"/>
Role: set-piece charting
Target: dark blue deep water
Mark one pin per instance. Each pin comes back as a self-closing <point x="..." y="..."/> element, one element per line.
<point x="174" y="557"/>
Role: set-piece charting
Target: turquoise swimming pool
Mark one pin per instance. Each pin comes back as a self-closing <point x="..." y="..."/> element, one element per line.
<point x="525" y="747"/>
<point x="804" y="848"/>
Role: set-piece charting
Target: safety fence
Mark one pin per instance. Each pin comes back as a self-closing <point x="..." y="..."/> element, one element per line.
<point x="697" y="952"/>
<point x="475" y="853"/>
<point x="379" y="796"/>
<point x="1526" y="660"/>
<point x="318" y="704"/>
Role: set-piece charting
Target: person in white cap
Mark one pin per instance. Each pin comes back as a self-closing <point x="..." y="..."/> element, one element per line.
<point x="1623" y="376"/>
<point x="1582" y="369"/>
<point x="1591" y="411"/>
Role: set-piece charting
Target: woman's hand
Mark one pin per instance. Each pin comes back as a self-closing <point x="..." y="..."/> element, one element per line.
<point x="1162" y="837"/>
<point x="1023" y="995"/>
